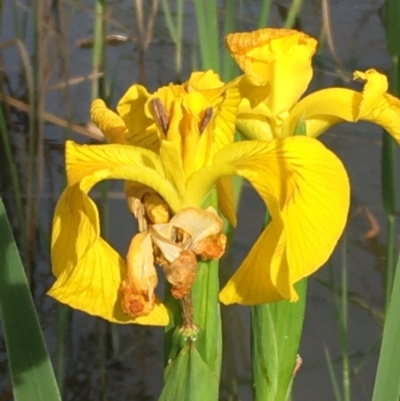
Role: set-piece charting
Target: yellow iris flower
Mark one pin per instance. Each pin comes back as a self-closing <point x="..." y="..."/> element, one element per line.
<point x="278" y="67"/>
<point x="277" y="64"/>
<point x="178" y="143"/>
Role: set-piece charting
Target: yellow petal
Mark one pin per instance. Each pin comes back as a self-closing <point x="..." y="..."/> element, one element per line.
<point x="110" y="123"/>
<point x="200" y="80"/>
<point x="280" y="57"/>
<point x="88" y="270"/>
<point x="254" y="122"/>
<point x="90" y="164"/>
<point x="199" y="184"/>
<point x="252" y="283"/>
<point x="327" y="107"/>
<point x="306" y="190"/>
<point x="225" y="116"/>
<point x="142" y="129"/>
<point x="224" y="101"/>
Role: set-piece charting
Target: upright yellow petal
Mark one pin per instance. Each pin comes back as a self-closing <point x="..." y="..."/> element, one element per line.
<point x="142" y="129"/>
<point x="306" y="190"/>
<point x="172" y="163"/>
<point x="255" y="122"/>
<point x="225" y="116"/>
<point x="89" y="272"/>
<point x="200" y="80"/>
<point x="278" y="57"/>
<point x="110" y="123"/>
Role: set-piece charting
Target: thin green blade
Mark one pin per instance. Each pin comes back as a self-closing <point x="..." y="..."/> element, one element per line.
<point x="387" y="382"/>
<point x="31" y="371"/>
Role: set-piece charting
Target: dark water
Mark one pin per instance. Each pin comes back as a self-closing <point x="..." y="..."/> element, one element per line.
<point x="131" y="369"/>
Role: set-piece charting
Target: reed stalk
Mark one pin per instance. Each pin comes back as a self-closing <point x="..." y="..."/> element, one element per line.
<point x="389" y="146"/>
<point x="293" y="13"/>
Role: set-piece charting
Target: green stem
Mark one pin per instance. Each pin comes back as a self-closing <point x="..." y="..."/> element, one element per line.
<point x="207" y="25"/>
<point x="275" y="338"/>
<point x="99" y="49"/>
<point x="343" y="319"/>
<point x="293" y="13"/>
<point x="264" y="14"/>
<point x="390" y="262"/>
<point x="206" y="334"/>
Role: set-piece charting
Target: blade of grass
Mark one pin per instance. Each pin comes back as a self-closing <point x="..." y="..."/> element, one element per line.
<point x="31" y="372"/>
<point x="99" y="60"/>
<point x="332" y="375"/>
<point x="341" y="302"/>
<point x="175" y="30"/>
<point x="293" y="13"/>
<point x="229" y="66"/>
<point x="388" y="164"/>
<point x="264" y="14"/>
<point x="98" y="57"/>
<point x="387" y="382"/>
<point x="207" y="25"/>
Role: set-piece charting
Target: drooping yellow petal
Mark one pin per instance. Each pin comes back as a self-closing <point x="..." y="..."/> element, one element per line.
<point x="278" y="57"/>
<point x="89" y="272"/>
<point x="306" y="190"/>
<point x="200" y="184"/>
<point x="327" y="107"/>
<point x="142" y="129"/>
<point x="110" y="123"/>
<point x="130" y="163"/>
<point x="252" y="284"/>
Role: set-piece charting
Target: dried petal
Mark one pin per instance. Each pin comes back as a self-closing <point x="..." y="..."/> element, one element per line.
<point x="198" y="223"/>
<point x="163" y="236"/>
<point x="138" y="287"/>
<point x="156" y="208"/>
<point x="212" y="247"/>
<point x="181" y="273"/>
<point x="135" y="305"/>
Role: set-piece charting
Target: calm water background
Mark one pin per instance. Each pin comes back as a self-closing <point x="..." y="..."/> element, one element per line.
<point x="134" y="370"/>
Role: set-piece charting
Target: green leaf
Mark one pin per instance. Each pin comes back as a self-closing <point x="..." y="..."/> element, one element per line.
<point x="276" y="333"/>
<point x="388" y="174"/>
<point x="207" y="314"/>
<point x="31" y="371"/>
<point x="189" y="378"/>
<point x="387" y="382"/>
<point x="392" y="16"/>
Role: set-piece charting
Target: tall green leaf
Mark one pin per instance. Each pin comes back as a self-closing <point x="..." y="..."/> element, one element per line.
<point x="387" y="382"/>
<point x="32" y="375"/>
